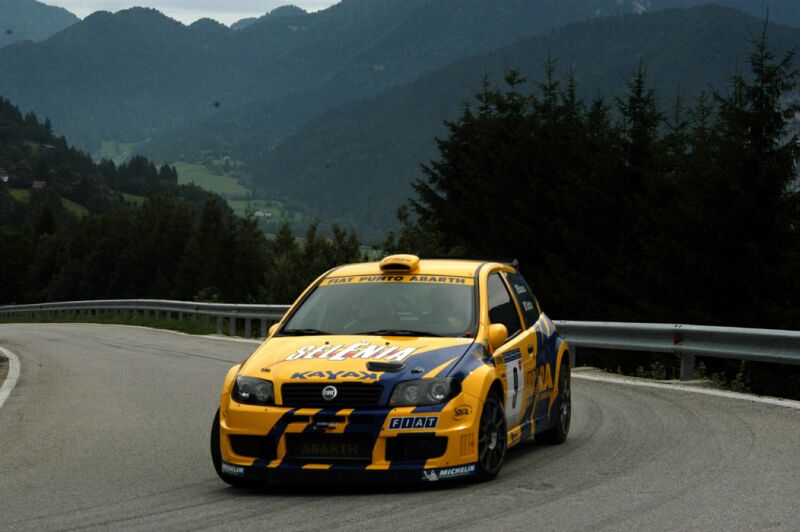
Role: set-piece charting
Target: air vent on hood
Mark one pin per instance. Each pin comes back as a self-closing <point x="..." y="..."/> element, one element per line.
<point x="390" y="367"/>
<point x="400" y="263"/>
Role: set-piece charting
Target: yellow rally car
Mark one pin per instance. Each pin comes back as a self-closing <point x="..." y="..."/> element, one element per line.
<point x="406" y="369"/>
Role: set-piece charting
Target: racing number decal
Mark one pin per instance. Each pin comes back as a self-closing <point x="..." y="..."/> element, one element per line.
<point x="516" y="388"/>
<point x="513" y="361"/>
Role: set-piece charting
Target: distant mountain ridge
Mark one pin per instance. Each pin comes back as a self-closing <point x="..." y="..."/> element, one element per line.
<point x="283" y="11"/>
<point x="22" y="20"/>
<point x="138" y="75"/>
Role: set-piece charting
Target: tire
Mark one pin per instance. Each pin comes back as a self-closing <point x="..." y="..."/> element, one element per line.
<point x="216" y="458"/>
<point x="492" y="438"/>
<point x="558" y="432"/>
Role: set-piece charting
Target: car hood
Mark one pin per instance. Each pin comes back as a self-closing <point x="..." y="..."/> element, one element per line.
<point x="347" y="358"/>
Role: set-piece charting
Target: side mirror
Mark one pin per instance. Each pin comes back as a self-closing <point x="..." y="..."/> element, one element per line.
<point x="498" y="334"/>
<point x="273" y="329"/>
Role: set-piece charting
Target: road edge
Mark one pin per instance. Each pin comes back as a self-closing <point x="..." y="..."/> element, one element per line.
<point x="609" y="378"/>
<point x="13" y="375"/>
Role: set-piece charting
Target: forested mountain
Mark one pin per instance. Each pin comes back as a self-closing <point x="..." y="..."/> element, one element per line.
<point x="372" y="149"/>
<point x="22" y="20"/>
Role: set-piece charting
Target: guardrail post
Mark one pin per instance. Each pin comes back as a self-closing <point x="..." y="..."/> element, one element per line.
<point x="263" y="329"/>
<point x="687" y="366"/>
<point x="247" y="331"/>
<point x="219" y="325"/>
<point x="233" y="326"/>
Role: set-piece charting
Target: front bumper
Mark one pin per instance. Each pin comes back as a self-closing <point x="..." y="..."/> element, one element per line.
<point x="346" y="474"/>
<point x="405" y="444"/>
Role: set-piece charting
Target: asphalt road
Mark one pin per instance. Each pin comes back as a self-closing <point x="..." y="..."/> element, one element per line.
<point x="108" y="428"/>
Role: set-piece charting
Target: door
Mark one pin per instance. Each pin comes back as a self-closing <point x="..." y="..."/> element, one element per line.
<point x="513" y="356"/>
<point x="539" y="367"/>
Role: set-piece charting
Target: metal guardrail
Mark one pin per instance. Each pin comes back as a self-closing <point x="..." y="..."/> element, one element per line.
<point x="233" y="314"/>
<point x="688" y="341"/>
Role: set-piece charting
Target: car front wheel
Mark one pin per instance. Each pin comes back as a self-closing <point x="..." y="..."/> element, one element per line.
<point x="491" y="438"/>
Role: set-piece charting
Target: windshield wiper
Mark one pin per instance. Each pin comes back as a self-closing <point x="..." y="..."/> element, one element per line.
<point x="398" y="332"/>
<point x="303" y="332"/>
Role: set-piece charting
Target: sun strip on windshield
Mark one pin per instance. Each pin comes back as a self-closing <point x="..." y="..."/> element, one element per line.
<point x="426" y="279"/>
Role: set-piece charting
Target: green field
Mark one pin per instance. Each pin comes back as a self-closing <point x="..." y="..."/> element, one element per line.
<point x="74" y="208"/>
<point x="222" y="184"/>
<point x="20" y="194"/>
<point x="23" y="195"/>
<point x="132" y="198"/>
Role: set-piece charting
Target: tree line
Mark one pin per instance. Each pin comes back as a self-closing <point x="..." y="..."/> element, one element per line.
<point x="165" y="249"/>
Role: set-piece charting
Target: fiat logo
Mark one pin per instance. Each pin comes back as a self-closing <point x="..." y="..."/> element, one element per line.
<point x="329" y="393"/>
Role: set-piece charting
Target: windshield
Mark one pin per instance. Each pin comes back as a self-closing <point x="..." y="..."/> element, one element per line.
<point x="401" y="305"/>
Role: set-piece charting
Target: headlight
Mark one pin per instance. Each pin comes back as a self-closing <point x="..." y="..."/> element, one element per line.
<point x="252" y="391"/>
<point x="424" y="392"/>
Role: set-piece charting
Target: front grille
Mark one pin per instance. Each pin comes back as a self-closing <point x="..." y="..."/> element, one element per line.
<point x="262" y="447"/>
<point x="329" y="447"/>
<point x="415" y="447"/>
<point x="349" y="394"/>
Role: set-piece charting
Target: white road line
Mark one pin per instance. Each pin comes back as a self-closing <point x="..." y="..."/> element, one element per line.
<point x="11" y="378"/>
<point x="786" y="403"/>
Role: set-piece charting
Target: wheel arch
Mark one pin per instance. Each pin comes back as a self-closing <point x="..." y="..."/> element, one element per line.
<point x="496" y="387"/>
<point x="562" y="356"/>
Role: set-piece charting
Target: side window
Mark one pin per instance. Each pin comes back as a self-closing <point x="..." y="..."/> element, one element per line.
<point x="527" y="302"/>
<point x="501" y="306"/>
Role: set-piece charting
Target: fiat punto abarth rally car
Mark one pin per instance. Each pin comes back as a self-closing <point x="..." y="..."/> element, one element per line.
<point x="407" y="369"/>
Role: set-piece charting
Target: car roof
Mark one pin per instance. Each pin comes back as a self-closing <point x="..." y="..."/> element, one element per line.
<point x="459" y="268"/>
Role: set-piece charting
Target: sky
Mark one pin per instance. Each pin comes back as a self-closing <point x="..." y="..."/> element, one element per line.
<point x="187" y="11"/>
